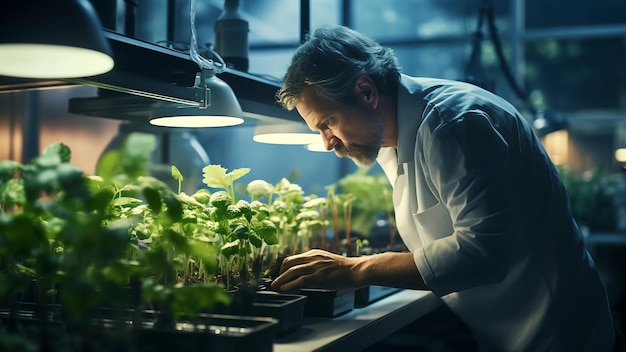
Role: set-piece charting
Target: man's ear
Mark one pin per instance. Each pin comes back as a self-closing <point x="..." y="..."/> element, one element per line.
<point x="366" y="91"/>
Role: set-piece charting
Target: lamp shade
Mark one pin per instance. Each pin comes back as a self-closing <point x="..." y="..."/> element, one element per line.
<point x="222" y="109"/>
<point x="287" y="133"/>
<point x="548" y="121"/>
<point x="52" y="39"/>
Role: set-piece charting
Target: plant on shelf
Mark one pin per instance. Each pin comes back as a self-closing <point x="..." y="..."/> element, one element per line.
<point x="243" y="229"/>
<point x="175" y="250"/>
<point x="58" y="242"/>
<point x="595" y="197"/>
<point x="340" y="206"/>
<point x="372" y="193"/>
<point x="117" y="242"/>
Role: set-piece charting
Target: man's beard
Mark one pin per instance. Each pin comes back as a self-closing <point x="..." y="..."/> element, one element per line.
<point x="364" y="155"/>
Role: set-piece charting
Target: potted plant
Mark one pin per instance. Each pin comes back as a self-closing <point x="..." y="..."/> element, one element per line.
<point x="105" y="249"/>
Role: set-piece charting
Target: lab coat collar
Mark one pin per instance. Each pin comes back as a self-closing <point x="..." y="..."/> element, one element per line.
<point x="411" y="106"/>
<point x="410" y="109"/>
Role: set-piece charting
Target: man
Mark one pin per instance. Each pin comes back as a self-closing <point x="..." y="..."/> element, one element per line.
<point x="478" y="202"/>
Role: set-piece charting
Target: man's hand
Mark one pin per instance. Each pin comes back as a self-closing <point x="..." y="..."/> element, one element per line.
<point x="320" y="269"/>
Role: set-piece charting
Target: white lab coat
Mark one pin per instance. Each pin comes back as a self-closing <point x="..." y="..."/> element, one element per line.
<point x="482" y="209"/>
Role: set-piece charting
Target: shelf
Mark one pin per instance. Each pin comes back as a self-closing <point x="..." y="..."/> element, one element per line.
<point x="360" y="327"/>
<point x="596" y="239"/>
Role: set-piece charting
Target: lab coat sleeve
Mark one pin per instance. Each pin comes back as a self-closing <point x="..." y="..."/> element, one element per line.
<point x="467" y="164"/>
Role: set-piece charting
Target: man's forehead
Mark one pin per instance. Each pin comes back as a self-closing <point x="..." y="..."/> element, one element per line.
<point x="313" y="100"/>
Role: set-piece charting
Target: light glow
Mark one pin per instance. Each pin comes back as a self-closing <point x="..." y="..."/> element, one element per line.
<point x="52" y="61"/>
<point x="293" y="138"/>
<point x="317" y="147"/>
<point x="620" y="155"/>
<point x="196" y="121"/>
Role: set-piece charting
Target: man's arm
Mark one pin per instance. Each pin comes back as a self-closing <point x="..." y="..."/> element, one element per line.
<point x="322" y="269"/>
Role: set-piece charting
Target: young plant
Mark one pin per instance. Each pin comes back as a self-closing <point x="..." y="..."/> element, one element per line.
<point x="373" y="193"/>
<point x="53" y="233"/>
<point x="319" y="204"/>
<point x="243" y="228"/>
<point x="172" y="235"/>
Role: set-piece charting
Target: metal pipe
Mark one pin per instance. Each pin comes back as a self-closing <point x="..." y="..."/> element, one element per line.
<point x="305" y="19"/>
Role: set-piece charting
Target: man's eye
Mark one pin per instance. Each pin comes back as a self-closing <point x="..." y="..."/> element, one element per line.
<point x="329" y="122"/>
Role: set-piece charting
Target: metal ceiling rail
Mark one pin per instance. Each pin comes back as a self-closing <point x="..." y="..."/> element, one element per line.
<point x="146" y="73"/>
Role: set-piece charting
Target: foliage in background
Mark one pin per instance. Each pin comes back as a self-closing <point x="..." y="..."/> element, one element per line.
<point x="373" y="196"/>
<point x="594" y="197"/>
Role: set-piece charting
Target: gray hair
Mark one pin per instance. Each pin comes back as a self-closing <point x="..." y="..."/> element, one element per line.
<point x="332" y="59"/>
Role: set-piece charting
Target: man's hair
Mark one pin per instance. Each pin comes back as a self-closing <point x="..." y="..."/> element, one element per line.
<point x="332" y="59"/>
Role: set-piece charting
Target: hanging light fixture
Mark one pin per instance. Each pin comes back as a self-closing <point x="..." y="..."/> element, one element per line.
<point x="52" y="40"/>
<point x="548" y="121"/>
<point x="219" y="106"/>
<point x="285" y="133"/>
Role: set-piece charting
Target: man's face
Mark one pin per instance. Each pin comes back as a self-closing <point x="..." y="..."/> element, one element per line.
<point x="355" y="131"/>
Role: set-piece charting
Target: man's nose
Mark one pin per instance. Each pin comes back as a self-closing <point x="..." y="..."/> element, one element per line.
<point x="329" y="139"/>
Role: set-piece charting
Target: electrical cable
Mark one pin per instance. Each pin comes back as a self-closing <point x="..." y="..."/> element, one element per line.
<point x="204" y="63"/>
<point x="473" y="68"/>
<point x="544" y="121"/>
<point x="497" y="44"/>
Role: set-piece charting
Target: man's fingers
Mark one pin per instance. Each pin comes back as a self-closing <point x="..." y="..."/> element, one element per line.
<point x="293" y="273"/>
<point x="303" y="270"/>
<point x="302" y="258"/>
<point x="290" y="285"/>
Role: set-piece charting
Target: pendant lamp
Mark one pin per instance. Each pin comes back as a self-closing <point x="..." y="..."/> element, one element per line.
<point x="294" y="133"/>
<point x="52" y="39"/>
<point x="219" y="106"/>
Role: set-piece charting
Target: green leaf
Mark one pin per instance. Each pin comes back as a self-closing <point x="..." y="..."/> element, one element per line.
<point x="259" y="188"/>
<point x="244" y="209"/>
<point x="260" y="210"/>
<point x="174" y="208"/>
<point x="216" y="176"/>
<point x="100" y="199"/>
<point x="206" y="252"/>
<point x="109" y="164"/>
<point x="153" y="198"/>
<point x="189" y="300"/>
<point x="315" y="202"/>
<point x="176" y="239"/>
<point x="129" y="190"/>
<point x="12" y="193"/>
<point x="307" y="215"/>
<point x="267" y="231"/>
<point x="202" y="196"/>
<point x="125" y="202"/>
<point x="47" y="180"/>
<point x="255" y="239"/>
<point x="176" y="174"/>
<point x="220" y="200"/>
<point x="47" y="161"/>
<point x="233" y="211"/>
<point x="69" y="175"/>
<point x="240" y="231"/>
<point x="61" y="150"/>
<point x="8" y="168"/>
<point x="137" y="153"/>
<point x="184" y="198"/>
<point x="231" y="248"/>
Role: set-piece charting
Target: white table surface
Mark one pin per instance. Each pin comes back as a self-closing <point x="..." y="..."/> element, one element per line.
<point x="360" y="327"/>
